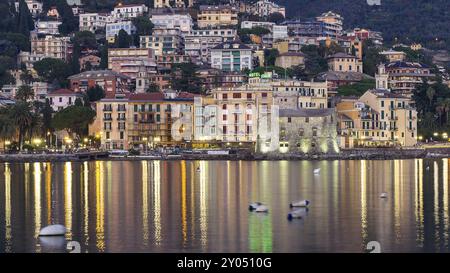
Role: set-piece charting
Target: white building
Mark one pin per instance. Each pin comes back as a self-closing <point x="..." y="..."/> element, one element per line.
<point x="198" y="43"/>
<point x="113" y="29"/>
<point x="265" y="8"/>
<point x="28" y="59"/>
<point x="92" y="21"/>
<point x="48" y="27"/>
<point x="278" y="31"/>
<point x="34" y="6"/>
<point x="122" y="11"/>
<point x="231" y="56"/>
<point x="181" y="21"/>
<point x="171" y="4"/>
<point x="62" y="98"/>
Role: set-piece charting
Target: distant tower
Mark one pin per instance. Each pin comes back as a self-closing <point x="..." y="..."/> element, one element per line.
<point x="142" y="81"/>
<point x="381" y="78"/>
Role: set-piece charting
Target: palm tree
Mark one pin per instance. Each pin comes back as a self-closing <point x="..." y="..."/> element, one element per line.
<point x="25" y="93"/>
<point x="7" y="129"/>
<point x="22" y="116"/>
<point x="430" y="94"/>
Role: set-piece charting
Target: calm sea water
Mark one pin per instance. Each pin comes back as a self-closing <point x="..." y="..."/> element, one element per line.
<point x="167" y="206"/>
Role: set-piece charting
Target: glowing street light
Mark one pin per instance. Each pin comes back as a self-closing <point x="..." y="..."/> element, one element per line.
<point x="37" y="141"/>
<point x="435" y="134"/>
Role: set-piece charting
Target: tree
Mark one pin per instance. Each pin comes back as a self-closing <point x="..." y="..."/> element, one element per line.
<point x="50" y="69"/>
<point x="25" y="21"/>
<point x="184" y="78"/>
<point x="85" y="39"/>
<point x="371" y="58"/>
<point x="356" y="89"/>
<point x="47" y="113"/>
<point x="7" y="127"/>
<point x="25" y="93"/>
<point x="276" y="18"/>
<point x="430" y="94"/>
<point x="270" y="56"/>
<point x="22" y="117"/>
<point x="69" y="21"/>
<point x="152" y="88"/>
<point x="74" y="119"/>
<point x="104" y="56"/>
<point x="123" y="40"/>
<point x="143" y="27"/>
<point x="95" y="93"/>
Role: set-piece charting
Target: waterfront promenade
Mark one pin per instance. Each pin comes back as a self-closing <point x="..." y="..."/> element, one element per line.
<point x="429" y="151"/>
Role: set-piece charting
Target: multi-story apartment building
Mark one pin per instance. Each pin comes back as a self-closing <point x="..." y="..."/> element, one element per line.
<point x="231" y="56"/>
<point x="92" y="21"/>
<point x="164" y="41"/>
<point x="113" y="29"/>
<point x="215" y="16"/>
<point x="62" y="98"/>
<point x="181" y="21"/>
<point x="265" y="8"/>
<point x="402" y="77"/>
<point x="144" y="121"/>
<point x="378" y="118"/>
<point x="393" y="55"/>
<point x="124" y="11"/>
<point x="232" y="115"/>
<point x="48" y="27"/>
<point x="50" y="46"/>
<point x="198" y="43"/>
<point x="167" y="60"/>
<point x="111" y="81"/>
<point x="334" y="23"/>
<point x="343" y="62"/>
<point x="131" y="61"/>
<point x="123" y="54"/>
<point x="294" y="94"/>
<point x="277" y="31"/>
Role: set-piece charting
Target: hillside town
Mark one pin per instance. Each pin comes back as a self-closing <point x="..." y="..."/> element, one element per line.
<point x="190" y="75"/>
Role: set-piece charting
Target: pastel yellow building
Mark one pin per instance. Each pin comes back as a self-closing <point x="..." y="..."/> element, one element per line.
<point x="234" y="113"/>
<point x="143" y="121"/>
<point x="378" y="118"/>
<point x="214" y="16"/>
<point x="342" y="62"/>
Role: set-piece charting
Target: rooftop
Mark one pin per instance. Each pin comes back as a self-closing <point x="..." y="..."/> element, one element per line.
<point x="96" y="74"/>
<point x="232" y="45"/>
<point x="402" y="64"/>
<point x="64" y="92"/>
<point x="306" y="112"/>
<point x="341" y="55"/>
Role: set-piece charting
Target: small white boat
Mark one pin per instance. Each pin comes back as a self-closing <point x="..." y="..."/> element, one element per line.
<point x="53" y="230"/>
<point x="262" y="208"/>
<point x="297" y="214"/>
<point x="302" y="203"/>
<point x="317" y="171"/>
<point x="254" y="206"/>
<point x="428" y="168"/>
<point x="383" y="195"/>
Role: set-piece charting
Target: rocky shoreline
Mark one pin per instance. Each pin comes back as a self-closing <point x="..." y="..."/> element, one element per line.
<point x="353" y="154"/>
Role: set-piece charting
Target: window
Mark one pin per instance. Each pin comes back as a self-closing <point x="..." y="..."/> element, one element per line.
<point x="224" y="117"/>
<point x="289" y="120"/>
<point x="158" y="118"/>
<point x="236" y="95"/>
<point x="224" y="96"/>
<point x="224" y="129"/>
<point x="264" y="95"/>
<point x="224" y="107"/>
<point x="307" y="119"/>
<point x="314" y="133"/>
<point x="121" y="135"/>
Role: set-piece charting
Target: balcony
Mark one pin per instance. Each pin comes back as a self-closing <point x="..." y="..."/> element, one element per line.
<point x="107" y="109"/>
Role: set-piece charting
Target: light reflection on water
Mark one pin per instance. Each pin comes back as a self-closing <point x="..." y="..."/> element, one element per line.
<point x="169" y="206"/>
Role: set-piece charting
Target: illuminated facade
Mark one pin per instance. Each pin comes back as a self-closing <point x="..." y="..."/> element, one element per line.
<point x="377" y="119"/>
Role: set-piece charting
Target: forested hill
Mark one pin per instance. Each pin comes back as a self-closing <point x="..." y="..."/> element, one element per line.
<point x="408" y="20"/>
